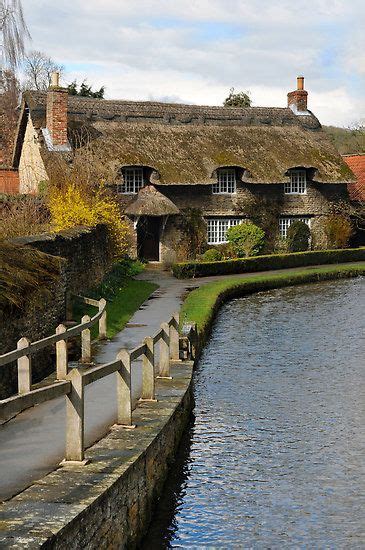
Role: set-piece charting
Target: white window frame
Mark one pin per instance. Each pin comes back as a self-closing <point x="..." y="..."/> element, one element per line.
<point x="217" y="229"/>
<point x="297" y="184"/>
<point x="226" y="182"/>
<point x="133" y="180"/>
<point x="286" y="221"/>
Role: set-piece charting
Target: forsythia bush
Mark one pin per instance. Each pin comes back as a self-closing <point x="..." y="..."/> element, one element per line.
<point x="72" y="206"/>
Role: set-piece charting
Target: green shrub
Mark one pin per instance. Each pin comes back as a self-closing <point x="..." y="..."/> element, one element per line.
<point x="212" y="255"/>
<point x="298" y="236"/>
<point x="119" y="274"/>
<point x="186" y="270"/>
<point x="246" y="239"/>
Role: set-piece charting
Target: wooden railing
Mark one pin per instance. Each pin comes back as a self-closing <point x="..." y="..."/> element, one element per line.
<point x="72" y="381"/>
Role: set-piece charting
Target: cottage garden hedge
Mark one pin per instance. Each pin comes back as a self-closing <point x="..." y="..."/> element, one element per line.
<point x="187" y="270"/>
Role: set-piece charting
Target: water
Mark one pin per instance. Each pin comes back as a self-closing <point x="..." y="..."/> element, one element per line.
<point x="273" y="457"/>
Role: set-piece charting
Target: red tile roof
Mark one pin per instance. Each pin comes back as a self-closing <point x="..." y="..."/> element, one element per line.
<point x="357" y="165"/>
<point x="9" y="181"/>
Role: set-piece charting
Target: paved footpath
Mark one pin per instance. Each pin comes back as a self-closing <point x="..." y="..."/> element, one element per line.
<point x="32" y="444"/>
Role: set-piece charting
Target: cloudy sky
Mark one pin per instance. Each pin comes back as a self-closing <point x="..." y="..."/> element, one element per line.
<point x="195" y="50"/>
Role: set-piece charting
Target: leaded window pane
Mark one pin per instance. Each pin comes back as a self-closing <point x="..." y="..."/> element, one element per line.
<point x="226" y="181"/>
<point x="297" y="183"/>
<point x="133" y="180"/>
<point x="217" y="229"/>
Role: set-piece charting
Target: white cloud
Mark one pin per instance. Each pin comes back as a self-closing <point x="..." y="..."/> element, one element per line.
<point x="197" y="49"/>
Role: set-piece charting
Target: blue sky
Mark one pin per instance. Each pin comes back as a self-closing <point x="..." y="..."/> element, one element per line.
<point x="195" y="51"/>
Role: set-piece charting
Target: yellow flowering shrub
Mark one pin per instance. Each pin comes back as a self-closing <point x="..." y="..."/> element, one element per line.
<point x="72" y="205"/>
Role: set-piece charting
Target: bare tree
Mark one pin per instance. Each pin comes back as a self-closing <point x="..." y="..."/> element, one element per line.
<point x="14" y="31"/>
<point x="9" y="98"/>
<point x="38" y="68"/>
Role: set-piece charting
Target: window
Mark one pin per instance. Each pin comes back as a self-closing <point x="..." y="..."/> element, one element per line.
<point x="297" y="184"/>
<point x="285" y="222"/>
<point x="133" y="180"/>
<point x="217" y="229"/>
<point x="226" y="181"/>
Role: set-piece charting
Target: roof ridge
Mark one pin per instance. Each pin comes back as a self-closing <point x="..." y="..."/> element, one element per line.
<point x="159" y="103"/>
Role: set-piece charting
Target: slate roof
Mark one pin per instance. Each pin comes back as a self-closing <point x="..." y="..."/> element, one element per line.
<point x="186" y="143"/>
<point x="357" y="165"/>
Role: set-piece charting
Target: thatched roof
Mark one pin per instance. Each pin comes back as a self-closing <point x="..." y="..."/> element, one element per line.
<point x="185" y="144"/>
<point x="150" y="202"/>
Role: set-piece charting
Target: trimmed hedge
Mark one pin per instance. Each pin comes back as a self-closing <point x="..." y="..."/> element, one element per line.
<point x="187" y="270"/>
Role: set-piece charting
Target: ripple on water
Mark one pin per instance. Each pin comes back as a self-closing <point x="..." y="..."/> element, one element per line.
<point x="274" y="456"/>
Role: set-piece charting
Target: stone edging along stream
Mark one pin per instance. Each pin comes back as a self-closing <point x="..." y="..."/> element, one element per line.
<point x="109" y="502"/>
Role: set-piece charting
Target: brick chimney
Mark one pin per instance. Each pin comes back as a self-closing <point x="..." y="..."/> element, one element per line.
<point x="57" y="99"/>
<point x="297" y="100"/>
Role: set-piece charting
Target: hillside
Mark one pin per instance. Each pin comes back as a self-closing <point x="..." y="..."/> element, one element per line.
<point x="347" y="141"/>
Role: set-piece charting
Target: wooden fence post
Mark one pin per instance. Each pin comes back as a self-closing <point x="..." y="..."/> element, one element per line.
<point x="86" y="341"/>
<point x="124" y="390"/>
<point x="164" y="371"/>
<point x="174" y="339"/>
<point x="24" y="368"/>
<point x="148" y="371"/>
<point x="75" y="423"/>
<point x="102" y="320"/>
<point x="61" y="355"/>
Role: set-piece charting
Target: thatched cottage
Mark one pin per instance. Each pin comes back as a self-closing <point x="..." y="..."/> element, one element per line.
<point x="166" y="161"/>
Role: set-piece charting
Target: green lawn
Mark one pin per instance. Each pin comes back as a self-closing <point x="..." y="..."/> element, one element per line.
<point x="121" y="307"/>
<point x="200" y="305"/>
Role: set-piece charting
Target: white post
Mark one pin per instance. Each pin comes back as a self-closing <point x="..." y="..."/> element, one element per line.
<point x="75" y="418"/>
<point x="148" y="371"/>
<point x="165" y="352"/>
<point x="85" y="341"/>
<point x="124" y="390"/>
<point x="102" y="320"/>
<point x="174" y="338"/>
<point x="61" y="355"/>
<point x="24" y="368"/>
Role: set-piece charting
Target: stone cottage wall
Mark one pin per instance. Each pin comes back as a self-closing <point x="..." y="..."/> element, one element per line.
<point x="31" y="165"/>
<point x="84" y="260"/>
<point x="317" y="202"/>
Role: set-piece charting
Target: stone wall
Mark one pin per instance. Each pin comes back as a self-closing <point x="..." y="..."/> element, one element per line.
<point x="107" y="503"/>
<point x="42" y="312"/>
<point x="86" y="250"/>
<point x="84" y="260"/>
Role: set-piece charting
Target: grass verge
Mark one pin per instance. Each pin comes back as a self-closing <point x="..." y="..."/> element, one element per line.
<point x="120" y="308"/>
<point x="201" y="305"/>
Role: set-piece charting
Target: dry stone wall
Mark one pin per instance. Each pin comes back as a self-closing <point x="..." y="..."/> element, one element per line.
<point x="84" y="260"/>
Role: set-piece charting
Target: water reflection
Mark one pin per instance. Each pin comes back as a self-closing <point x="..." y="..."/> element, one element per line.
<point x="274" y="457"/>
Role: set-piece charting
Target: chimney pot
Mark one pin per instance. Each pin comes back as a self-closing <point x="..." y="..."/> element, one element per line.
<point x="55" y="79"/>
<point x="300" y="83"/>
